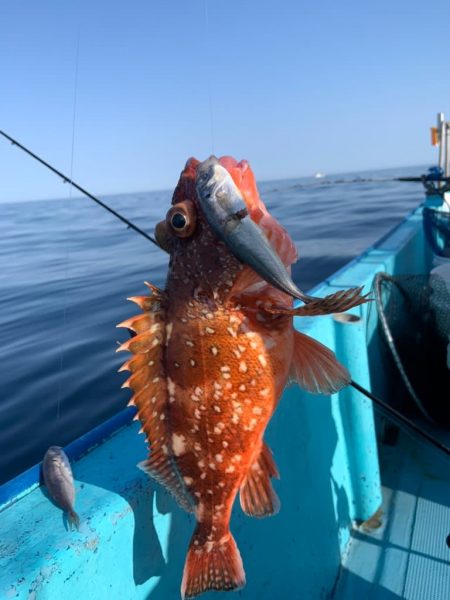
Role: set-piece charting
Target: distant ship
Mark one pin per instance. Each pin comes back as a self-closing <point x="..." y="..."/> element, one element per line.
<point x="318" y="175"/>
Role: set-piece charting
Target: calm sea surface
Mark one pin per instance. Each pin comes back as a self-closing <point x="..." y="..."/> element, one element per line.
<point x="67" y="267"/>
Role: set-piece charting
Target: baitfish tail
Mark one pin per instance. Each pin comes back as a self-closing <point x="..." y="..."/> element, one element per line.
<point x="212" y="565"/>
<point x="73" y="519"/>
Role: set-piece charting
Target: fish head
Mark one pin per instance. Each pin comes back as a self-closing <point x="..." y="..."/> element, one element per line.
<point x="218" y="224"/>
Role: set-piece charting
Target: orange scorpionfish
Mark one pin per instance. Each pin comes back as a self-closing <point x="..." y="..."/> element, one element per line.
<point x="212" y="354"/>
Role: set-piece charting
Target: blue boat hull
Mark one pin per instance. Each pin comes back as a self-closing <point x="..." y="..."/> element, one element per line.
<point x="133" y="538"/>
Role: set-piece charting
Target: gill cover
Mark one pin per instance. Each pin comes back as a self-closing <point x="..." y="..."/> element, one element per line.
<point x="226" y="212"/>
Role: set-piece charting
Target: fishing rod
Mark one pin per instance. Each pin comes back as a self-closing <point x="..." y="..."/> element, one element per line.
<point x="422" y="179"/>
<point x="400" y="420"/>
<point x="383" y="408"/>
<point x="79" y="188"/>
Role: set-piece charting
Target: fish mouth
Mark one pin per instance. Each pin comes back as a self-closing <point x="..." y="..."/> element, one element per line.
<point x="226" y="211"/>
<point x="162" y="236"/>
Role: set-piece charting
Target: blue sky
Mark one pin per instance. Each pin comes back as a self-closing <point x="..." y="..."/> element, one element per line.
<point x="293" y="86"/>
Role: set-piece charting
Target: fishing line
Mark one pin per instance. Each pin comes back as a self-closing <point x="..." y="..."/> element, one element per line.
<point x="67" y="236"/>
<point x="208" y="77"/>
<point x="67" y="179"/>
<point x="400" y="420"/>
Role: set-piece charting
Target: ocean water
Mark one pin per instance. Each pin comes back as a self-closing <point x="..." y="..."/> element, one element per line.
<point x="67" y="267"/>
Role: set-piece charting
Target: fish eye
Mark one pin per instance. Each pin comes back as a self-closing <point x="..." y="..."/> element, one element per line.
<point x="178" y="220"/>
<point x="181" y="219"/>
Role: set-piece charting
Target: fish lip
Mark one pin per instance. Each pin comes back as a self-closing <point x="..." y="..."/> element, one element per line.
<point x="162" y="237"/>
<point x="226" y="211"/>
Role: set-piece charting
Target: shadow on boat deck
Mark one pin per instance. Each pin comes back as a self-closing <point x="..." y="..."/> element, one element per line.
<point x="298" y="549"/>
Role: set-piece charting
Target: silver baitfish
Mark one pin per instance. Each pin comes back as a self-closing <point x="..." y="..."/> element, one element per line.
<point x="58" y="479"/>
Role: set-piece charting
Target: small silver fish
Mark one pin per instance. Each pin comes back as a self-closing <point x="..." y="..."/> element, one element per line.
<point x="58" y="479"/>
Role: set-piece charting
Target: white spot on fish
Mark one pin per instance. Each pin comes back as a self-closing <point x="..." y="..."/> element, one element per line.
<point x="262" y="360"/>
<point x="225" y="369"/>
<point x="210" y="330"/>
<point x="171" y="386"/>
<point x="217" y="408"/>
<point x="214" y="350"/>
<point x="257" y="410"/>
<point x="162" y="417"/>
<point x="269" y="343"/>
<point x="242" y="388"/>
<point x="178" y="444"/>
<point x="231" y="331"/>
<point x="192" y="362"/>
<point x="188" y="480"/>
<point x="169" y="328"/>
<point x="241" y="348"/>
<point x="225" y="444"/>
<point x="219" y="458"/>
<point x="226" y="375"/>
<point x="243" y="367"/>
<point x="200" y="512"/>
<point x="212" y="466"/>
<point x="201" y="464"/>
<point x="189" y="343"/>
<point x="230" y="469"/>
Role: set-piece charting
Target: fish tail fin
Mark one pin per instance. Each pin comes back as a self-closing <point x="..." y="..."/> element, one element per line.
<point x="73" y="519"/>
<point x="212" y="565"/>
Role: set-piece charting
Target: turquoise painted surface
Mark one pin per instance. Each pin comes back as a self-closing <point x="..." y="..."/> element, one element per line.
<point x="407" y="557"/>
<point x="133" y="538"/>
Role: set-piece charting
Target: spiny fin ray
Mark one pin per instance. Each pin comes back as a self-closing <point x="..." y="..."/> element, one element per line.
<point x="149" y="384"/>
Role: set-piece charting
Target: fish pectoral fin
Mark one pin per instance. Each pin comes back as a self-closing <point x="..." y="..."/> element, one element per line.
<point x="257" y="496"/>
<point x="315" y="367"/>
<point x="334" y="303"/>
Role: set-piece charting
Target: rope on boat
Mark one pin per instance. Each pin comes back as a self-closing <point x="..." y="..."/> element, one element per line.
<point x="400" y="420"/>
<point x="79" y="188"/>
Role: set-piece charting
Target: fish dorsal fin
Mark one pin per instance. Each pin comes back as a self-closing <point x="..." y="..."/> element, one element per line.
<point x="257" y="496"/>
<point x="315" y="367"/>
<point x="149" y="384"/>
